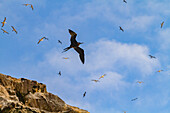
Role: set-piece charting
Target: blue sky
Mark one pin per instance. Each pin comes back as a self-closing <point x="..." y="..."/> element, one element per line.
<point x="123" y="56"/>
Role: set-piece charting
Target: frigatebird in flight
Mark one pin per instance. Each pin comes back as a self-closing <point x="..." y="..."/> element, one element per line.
<point x="152" y="56"/>
<point x="74" y="44"/>
<point x="84" y="94"/>
<point x="121" y="28"/>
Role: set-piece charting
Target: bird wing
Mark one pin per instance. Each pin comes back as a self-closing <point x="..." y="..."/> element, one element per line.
<point x="72" y="33"/>
<point x="162" y="24"/>
<point x="81" y="53"/>
<point x="2" y="24"/>
<point x="39" y="40"/>
<point x="73" y="37"/>
<point x="12" y="27"/>
<point x="32" y="6"/>
<point x="4" y="19"/>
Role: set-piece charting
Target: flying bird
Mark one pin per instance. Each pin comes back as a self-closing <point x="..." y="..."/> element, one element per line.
<point x="14" y="29"/>
<point x="134" y="99"/>
<point x="162" y="24"/>
<point x="74" y="44"/>
<point x="42" y="39"/>
<point x="30" y="5"/>
<point x="139" y="82"/>
<point x="59" y="42"/>
<point x="152" y="56"/>
<point x="124" y="1"/>
<point x="102" y="76"/>
<point x="159" y="70"/>
<point x="3" y="23"/>
<point x="59" y="73"/>
<point x="84" y="94"/>
<point x="124" y="111"/>
<point x="65" y="58"/>
<point x="4" y="31"/>
<point x="121" y="29"/>
<point x="95" y="80"/>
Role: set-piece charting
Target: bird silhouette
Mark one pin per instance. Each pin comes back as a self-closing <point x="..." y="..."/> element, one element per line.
<point x="95" y="80"/>
<point x="160" y="71"/>
<point x="121" y="28"/>
<point x="42" y="39"/>
<point x="152" y="56"/>
<point x="84" y="94"/>
<point x="14" y="29"/>
<point x="102" y="76"/>
<point x="162" y="24"/>
<point x="4" y="31"/>
<point x="59" y="73"/>
<point x="134" y="99"/>
<point x="3" y="23"/>
<point x="59" y="42"/>
<point x="125" y="1"/>
<point x="139" y="82"/>
<point x="74" y="44"/>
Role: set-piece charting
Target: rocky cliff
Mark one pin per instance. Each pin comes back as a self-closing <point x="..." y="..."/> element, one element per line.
<point x="28" y="96"/>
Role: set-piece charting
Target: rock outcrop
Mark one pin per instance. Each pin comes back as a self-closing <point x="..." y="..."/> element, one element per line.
<point x="28" y="96"/>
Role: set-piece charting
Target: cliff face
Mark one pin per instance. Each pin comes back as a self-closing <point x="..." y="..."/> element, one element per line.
<point x="28" y="96"/>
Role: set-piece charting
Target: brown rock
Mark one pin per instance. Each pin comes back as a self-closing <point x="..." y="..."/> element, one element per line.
<point x="28" y="96"/>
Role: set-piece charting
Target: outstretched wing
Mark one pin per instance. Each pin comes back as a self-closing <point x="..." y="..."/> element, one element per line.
<point x="81" y="53"/>
<point x="4" y="19"/>
<point x="73" y="37"/>
<point x="32" y="7"/>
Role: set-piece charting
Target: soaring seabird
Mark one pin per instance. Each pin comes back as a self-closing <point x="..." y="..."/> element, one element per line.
<point x="74" y="44"/>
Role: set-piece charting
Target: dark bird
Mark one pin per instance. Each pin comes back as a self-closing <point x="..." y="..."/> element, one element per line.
<point x="162" y="24"/>
<point x="59" y="73"/>
<point x="74" y="44"/>
<point x="14" y="29"/>
<point x="160" y="71"/>
<point x="124" y="1"/>
<point x="59" y="42"/>
<point x="152" y="56"/>
<point x="84" y="94"/>
<point x="3" y="23"/>
<point x="4" y="31"/>
<point x="134" y="99"/>
<point x="95" y="80"/>
<point x="121" y="29"/>
<point x="42" y="39"/>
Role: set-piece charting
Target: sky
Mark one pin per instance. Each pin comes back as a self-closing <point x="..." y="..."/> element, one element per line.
<point x="122" y="56"/>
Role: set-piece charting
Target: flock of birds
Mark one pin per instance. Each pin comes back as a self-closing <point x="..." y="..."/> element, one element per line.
<point x="75" y="45"/>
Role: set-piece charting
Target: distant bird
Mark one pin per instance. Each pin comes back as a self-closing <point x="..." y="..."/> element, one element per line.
<point x="152" y="56"/>
<point x="4" y="31"/>
<point x="124" y="1"/>
<point x="66" y="58"/>
<point x="102" y="76"/>
<point x="124" y="111"/>
<point x="84" y="94"/>
<point x="3" y="23"/>
<point x="42" y="39"/>
<point x="14" y="29"/>
<point x="95" y="80"/>
<point x="134" y="99"/>
<point x="162" y="24"/>
<point x="160" y="70"/>
<point x="26" y="4"/>
<point x="59" y="42"/>
<point x="121" y="29"/>
<point x="74" y="44"/>
<point x="30" y="5"/>
<point x="139" y="82"/>
<point x="59" y="73"/>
